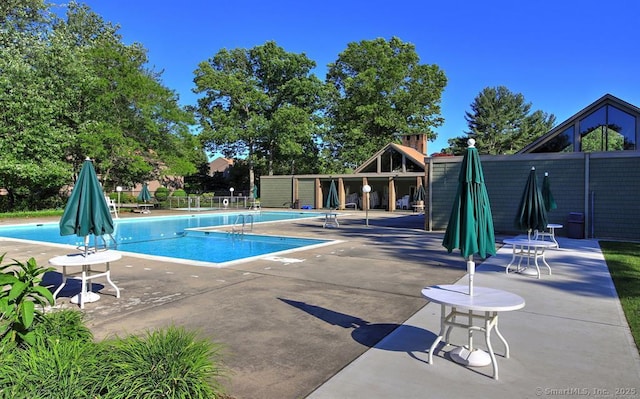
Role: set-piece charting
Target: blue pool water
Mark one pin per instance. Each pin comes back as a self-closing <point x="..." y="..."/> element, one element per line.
<point x="173" y="237"/>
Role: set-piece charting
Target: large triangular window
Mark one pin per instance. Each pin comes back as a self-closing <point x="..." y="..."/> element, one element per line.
<point x="607" y="129"/>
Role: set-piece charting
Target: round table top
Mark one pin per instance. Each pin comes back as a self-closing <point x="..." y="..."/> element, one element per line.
<point x="529" y="243"/>
<point x="483" y="299"/>
<point x="79" y="259"/>
<point x="554" y="226"/>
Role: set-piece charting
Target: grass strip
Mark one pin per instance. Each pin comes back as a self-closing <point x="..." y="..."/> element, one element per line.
<point x="624" y="266"/>
<point x="31" y="214"/>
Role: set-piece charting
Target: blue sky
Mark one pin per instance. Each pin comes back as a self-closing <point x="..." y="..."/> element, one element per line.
<point x="560" y="54"/>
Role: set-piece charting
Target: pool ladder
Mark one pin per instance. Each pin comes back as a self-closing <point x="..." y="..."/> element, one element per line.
<point x="240" y="224"/>
<point x="101" y="243"/>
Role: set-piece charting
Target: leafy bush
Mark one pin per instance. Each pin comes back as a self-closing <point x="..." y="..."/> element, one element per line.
<point x="179" y="193"/>
<point x="169" y="363"/>
<point x="52" y="368"/>
<point x="66" y="324"/>
<point x="53" y="356"/>
<point x="20" y="294"/>
<point x="161" y="194"/>
<point x="125" y="198"/>
<point x="67" y="363"/>
<point x="62" y="362"/>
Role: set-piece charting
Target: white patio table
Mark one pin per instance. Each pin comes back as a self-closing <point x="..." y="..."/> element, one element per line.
<point x="529" y="249"/>
<point x="86" y="273"/>
<point x="484" y="304"/>
<point x="540" y="235"/>
<point x="331" y="219"/>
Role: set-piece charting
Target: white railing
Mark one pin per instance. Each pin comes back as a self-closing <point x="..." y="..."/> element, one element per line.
<point x="195" y="203"/>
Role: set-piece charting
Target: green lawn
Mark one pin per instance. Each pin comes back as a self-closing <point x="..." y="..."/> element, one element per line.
<point x="31" y="214"/>
<point x="624" y="265"/>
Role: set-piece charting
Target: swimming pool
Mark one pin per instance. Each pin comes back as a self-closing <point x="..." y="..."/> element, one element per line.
<point x="178" y="237"/>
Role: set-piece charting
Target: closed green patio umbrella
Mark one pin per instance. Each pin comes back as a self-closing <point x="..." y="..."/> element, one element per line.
<point x="547" y="196"/>
<point x="145" y="194"/>
<point x="86" y="212"/>
<point x="470" y="226"/>
<point x="532" y="214"/>
<point x="254" y="192"/>
<point x="470" y="229"/>
<point x="332" y="198"/>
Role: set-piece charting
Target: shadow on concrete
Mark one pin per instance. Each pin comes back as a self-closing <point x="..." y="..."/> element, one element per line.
<point x="52" y="281"/>
<point x="371" y="334"/>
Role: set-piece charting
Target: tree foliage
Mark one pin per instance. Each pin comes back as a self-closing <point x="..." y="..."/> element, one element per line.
<point x="502" y="123"/>
<point x="71" y="89"/>
<point x="126" y="119"/>
<point x="261" y="104"/>
<point x="602" y="138"/>
<point x="383" y="92"/>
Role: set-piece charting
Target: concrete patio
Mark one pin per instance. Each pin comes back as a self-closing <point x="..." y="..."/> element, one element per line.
<point x="348" y="321"/>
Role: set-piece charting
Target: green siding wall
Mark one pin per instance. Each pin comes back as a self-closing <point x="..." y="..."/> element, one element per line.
<point x="613" y="187"/>
<point x="307" y="192"/>
<point x="614" y="196"/>
<point x="444" y="188"/>
<point x="276" y="192"/>
<point x="605" y="187"/>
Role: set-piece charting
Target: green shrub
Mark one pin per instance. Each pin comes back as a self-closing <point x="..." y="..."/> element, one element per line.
<point x="125" y="198"/>
<point x="67" y="363"/>
<point x="63" y="361"/>
<point x="21" y="292"/>
<point x="169" y="363"/>
<point x="179" y="193"/>
<point x="161" y="194"/>
<point x="52" y="368"/>
<point x="65" y="324"/>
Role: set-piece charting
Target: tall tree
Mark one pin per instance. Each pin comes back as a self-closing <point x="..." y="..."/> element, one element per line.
<point x="501" y="123"/>
<point x="122" y="115"/>
<point x="32" y="139"/>
<point x="260" y="104"/>
<point x="71" y="89"/>
<point x="382" y="92"/>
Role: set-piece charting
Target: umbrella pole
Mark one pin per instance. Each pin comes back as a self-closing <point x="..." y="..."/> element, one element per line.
<point x="471" y="269"/>
<point x="467" y="355"/>
<point x="86" y="245"/>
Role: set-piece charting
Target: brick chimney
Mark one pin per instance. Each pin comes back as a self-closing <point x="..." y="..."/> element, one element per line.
<point x="416" y="141"/>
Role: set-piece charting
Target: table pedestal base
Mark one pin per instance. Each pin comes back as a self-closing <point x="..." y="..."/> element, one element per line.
<point x="471" y="358"/>
<point x="89" y="297"/>
<point x="529" y="271"/>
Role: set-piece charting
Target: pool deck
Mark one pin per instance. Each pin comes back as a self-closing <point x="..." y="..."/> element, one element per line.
<point x="343" y="321"/>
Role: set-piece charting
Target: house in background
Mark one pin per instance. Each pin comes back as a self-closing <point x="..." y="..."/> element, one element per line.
<point x="170" y="182"/>
<point x="220" y="165"/>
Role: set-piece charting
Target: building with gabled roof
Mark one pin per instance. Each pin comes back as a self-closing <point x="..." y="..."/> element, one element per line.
<point x="394" y="174"/>
<point x="607" y="124"/>
<point x="220" y="165"/>
<point x="590" y="156"/>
